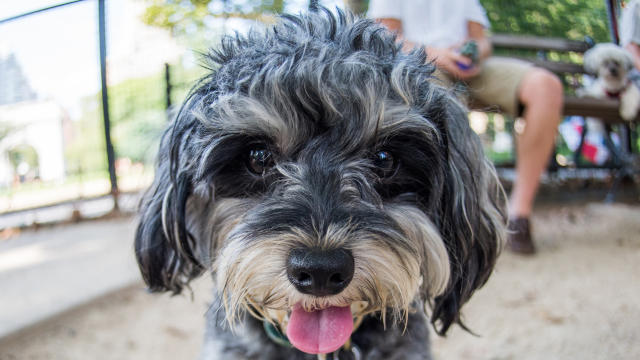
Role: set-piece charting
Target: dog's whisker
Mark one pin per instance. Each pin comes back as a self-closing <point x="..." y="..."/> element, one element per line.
<point x="335" y="183"/>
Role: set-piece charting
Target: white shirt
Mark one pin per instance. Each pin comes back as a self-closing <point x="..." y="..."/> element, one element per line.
<point x="438" y="23"/>
<point x="630" y="24"/>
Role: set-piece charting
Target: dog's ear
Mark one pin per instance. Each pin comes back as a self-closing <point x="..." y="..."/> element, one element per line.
<point x="472" y="219"/>
<point x="628" y="59"/>
<point x="591" y="60"/>
<point x="164" y="248"/>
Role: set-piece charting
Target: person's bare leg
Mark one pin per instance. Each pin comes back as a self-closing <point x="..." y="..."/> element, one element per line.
<point x="542" y="96"/>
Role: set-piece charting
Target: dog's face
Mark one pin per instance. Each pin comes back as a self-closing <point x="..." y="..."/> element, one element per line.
<point x="610" y="63"/>
<point x="318" y="171"/>
<point x="612" y="70"/>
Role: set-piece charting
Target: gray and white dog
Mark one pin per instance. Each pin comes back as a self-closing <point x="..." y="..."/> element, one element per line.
<point x="332" y="188"/>
<point x="612" y="65"/>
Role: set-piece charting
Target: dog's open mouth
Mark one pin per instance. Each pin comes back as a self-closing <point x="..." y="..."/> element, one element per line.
<point x="320" y="331"/>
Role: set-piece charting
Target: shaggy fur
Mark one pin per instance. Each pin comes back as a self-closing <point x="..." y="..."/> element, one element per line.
<point x="359" y="149"/>
<point x="611" y="65"/>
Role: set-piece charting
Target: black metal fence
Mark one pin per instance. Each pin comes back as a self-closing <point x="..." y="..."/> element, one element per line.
<point x="76" y="125"/>
<point x="83" y="104"/>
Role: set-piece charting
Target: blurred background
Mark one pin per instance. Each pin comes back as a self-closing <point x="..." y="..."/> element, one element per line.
<point x="55" y="119"/>
<point x="86" y="89"/>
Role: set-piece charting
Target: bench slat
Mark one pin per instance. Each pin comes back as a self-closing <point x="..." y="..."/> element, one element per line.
<point x="537" y="43"/>
<point x="556" y="66"/>
<point x="605" y="109"/>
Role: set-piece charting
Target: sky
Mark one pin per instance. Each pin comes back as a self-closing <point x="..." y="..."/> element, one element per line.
<point x="58" y="49"/>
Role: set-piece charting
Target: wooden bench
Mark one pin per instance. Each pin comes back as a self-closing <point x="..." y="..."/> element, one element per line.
<point x="604" y="109"/>
<point x="624" y="161"/>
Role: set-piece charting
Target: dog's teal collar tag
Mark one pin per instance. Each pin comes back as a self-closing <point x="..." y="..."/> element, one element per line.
<point x="275" y="334"/>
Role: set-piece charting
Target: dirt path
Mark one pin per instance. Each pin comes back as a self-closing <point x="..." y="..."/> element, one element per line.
<point x="577" y="299"/>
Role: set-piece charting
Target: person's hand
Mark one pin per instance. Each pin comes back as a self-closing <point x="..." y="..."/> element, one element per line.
<point x="447" y="60"/>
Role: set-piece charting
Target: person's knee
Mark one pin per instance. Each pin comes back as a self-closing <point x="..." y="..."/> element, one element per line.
<point x="541" y="87"/>
<point x="551" y="83"/>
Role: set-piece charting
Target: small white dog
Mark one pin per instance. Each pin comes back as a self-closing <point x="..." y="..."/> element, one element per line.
<point x="611" y="64"/>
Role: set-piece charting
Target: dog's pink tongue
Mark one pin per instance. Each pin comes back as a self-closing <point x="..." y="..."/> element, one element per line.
<point x="321" y="331"/>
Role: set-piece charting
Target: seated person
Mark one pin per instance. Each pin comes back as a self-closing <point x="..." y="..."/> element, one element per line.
<point x="630" y="36"/>
<point x="517" y="87"/>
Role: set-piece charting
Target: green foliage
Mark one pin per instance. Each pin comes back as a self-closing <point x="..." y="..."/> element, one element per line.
<point x="505" y="158"/>
<point x="85" y="152"/>
<point x="571" y="19"/>
<point x="23" y="153"/>
<point x="138" y="140"/>
<point x="137" y="116"/>
<point x="357" y="6"/>
<point x="139" y="111"/>
<point x="5" y="129"/>
<point x="183" y="16"/>
<point x="182" y="80"/>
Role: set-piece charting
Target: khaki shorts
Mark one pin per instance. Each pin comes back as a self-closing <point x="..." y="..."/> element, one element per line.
<point x="496" y="85"/>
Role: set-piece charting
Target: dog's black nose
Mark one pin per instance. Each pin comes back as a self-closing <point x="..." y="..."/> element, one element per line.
<point x="320" y="272"/>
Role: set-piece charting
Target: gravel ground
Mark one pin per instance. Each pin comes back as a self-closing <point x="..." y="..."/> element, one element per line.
<point x="577" y="299"/>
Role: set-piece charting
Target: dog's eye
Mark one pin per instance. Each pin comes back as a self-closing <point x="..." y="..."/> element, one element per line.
<point x="384" y="163"/>
<point x="260" y="160"/>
